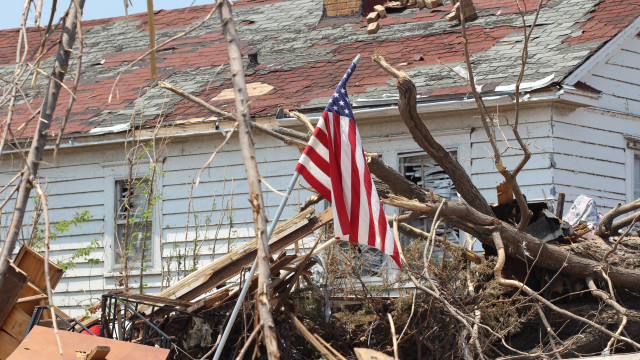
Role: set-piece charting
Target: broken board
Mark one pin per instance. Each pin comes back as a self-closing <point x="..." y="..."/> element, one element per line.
<point x="14" y="282"/>
<point x="41" y="344"/>
<point x="32" y="263"/>
<point x="211" y="275"/>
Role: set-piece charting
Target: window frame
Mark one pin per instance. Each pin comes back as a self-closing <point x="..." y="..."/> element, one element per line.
<point x="632" y="151"/>
<point x="113" y="173"/>
<point x="392" y="147"/>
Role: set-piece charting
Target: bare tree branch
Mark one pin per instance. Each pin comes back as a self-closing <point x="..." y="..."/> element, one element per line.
<point x="236" y="67"/>
<point x="40" y="137"/>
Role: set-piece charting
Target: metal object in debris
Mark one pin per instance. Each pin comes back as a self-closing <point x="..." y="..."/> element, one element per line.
<point x="548" y="227"/>
<point x="71" y="323"/>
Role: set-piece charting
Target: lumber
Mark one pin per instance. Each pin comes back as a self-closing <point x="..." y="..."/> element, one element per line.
<point x="12" y="287"/>
<point x="210" y="300"/>
<point x="279" y="264"/>
<point x="7" y="344"/>
<point x="213" y="274"/>
<point x="41" y="344"/>
<point x="16" y="323"/>
<point x="323" y="348"/>
<point x="32" y="263"/>
<point x="31" y="298"/>
<point x="152" y="299"/>
<point x="99" y="353"/>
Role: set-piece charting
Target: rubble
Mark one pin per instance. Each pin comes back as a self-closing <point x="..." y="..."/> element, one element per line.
<point x="22" y="294"/>
<point x="373" y="28"/>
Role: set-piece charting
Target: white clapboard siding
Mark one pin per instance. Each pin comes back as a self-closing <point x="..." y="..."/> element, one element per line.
<point x="590" y="155"/>
<point x="618" y="77"/>
<point x="536" y="176"/>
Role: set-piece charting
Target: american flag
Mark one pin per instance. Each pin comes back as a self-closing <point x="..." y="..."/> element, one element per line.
<point x="333" y="164"/>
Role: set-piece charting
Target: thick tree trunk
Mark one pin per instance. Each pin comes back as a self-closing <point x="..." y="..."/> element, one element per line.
<point x="40" y="137"/>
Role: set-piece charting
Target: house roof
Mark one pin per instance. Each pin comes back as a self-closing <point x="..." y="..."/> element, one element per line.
<point x="302" y="56"/>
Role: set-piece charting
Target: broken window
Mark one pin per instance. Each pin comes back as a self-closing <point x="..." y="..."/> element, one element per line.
<point x="134" y="221"/>
<point x="425" y="172"/>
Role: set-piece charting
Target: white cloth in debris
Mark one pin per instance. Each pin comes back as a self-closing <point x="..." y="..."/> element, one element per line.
<point x="584" y="209"/>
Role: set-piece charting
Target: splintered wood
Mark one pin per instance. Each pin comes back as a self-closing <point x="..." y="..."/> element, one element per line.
<point x="215" y="273"/>
<point x="22" y="291"/>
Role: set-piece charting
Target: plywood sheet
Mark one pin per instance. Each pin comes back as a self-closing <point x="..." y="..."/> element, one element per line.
<point x="41" y="344"/>
<point x="14" y="282"/>
<point x="7" y="344"/>
<point x="17" y="323"/>
<point x="32" y="263"/>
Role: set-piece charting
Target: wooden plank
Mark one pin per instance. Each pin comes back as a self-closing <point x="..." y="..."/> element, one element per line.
<point x="99" y="353"/>
<point x="615" y="72"/>
<point x="17" y="323"/>
<point x="210" y="300"/>
<point x="323" y="348"/>
<point x="589" y="166"/>
<point x="152" y="299"/>
<point x="279" y="264"/>
<point x="584" y="149"/>
<point x="202" y="280"/>
<point x="28" y="307"/>
<point x="31" y="290"/>
<point x="487" y="165"/>
<point x="7" y="344"/>
<point x="41" y="344"/>
<point x="14" y="282"/>
<point x="588" y="181"/>
<point x="32" y="263"/>
<point x="529" y="130"/>
<point x="31" y="298"/>
<point x="579" y="132"/>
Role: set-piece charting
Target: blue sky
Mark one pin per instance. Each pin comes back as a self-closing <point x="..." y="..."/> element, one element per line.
<point x="11" y="13"/>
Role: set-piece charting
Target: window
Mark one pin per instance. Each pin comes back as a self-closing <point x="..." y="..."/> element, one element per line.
<point x="133" y="222"/>
<point x="422" y="170"/>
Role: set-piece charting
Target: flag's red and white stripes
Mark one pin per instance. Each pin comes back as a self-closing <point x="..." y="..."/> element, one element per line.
<point x="333" y="163"/>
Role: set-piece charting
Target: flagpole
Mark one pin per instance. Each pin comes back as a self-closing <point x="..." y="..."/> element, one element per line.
<point x="245" y="287"/>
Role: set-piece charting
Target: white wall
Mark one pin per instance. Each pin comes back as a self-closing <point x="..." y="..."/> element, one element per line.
<point x="591" y="156"/>
<point x="617" y="76"/>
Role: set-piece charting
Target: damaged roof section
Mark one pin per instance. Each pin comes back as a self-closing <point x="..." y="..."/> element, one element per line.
<point x="295" y="56"/>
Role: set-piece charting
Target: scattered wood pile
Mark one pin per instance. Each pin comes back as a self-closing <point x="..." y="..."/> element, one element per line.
<point x="22" y="291"/>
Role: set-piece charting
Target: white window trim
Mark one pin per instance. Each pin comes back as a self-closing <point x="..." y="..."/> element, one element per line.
<point x="632" y="150"/>
<point x="116" y="171"/>
<point x="392" y="147"/>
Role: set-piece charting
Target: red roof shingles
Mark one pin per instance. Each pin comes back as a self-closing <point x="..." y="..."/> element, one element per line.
<point x="607" y="19"/>
<point x="294" y="87"/>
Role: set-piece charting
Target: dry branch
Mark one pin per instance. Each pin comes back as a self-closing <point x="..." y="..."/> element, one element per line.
<point x="236" y="68"/>
<point x="605" y="225"/>
<point x="422" y="136"/>
<point x="40" y="136"/>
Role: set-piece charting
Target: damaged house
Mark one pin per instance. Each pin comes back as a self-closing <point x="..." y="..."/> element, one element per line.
<point x="580" y="113"/>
